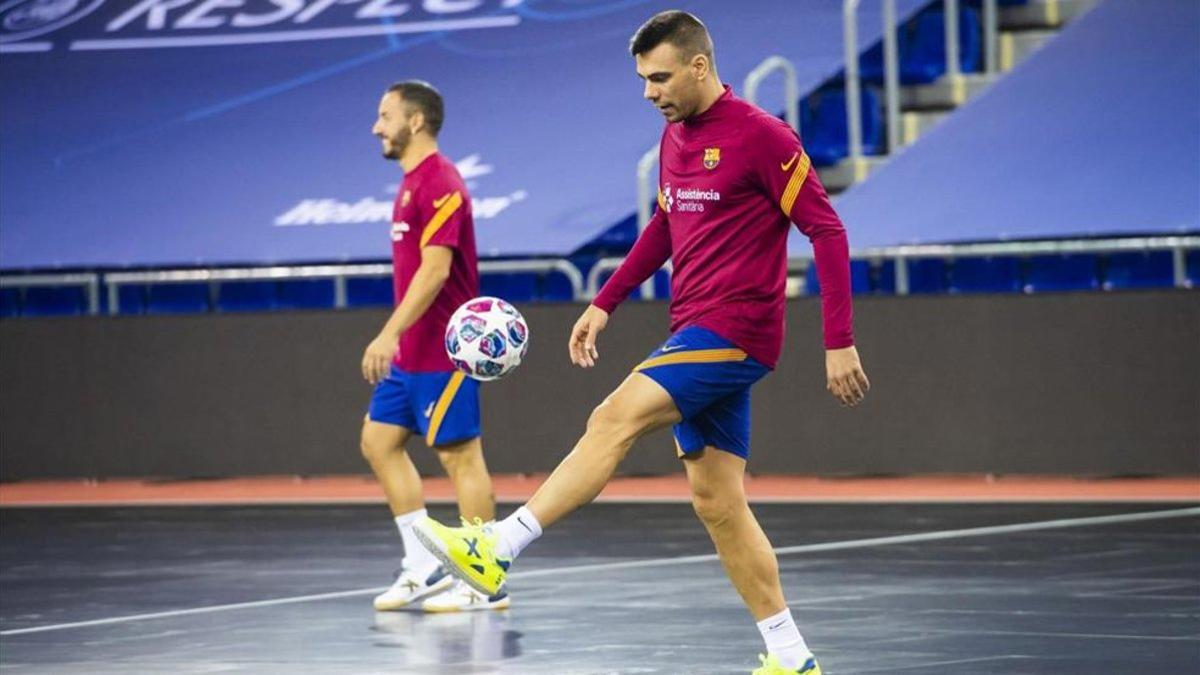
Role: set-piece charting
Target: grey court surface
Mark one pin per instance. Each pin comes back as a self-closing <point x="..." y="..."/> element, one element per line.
<point x="1069" y="589"/>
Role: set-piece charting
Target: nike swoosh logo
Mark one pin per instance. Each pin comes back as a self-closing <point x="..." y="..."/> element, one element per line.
<point x="437" y="203"/>
<point x="672" y="348"/>
<point x="787" y="165"/>
<point x="524" y="525"/>
<point x="777" y="625"/>
<point x="429" y="410"/>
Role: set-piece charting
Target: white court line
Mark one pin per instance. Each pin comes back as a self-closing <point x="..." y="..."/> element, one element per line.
<point x="660" y="562"/>
<point x="297" y="35"/>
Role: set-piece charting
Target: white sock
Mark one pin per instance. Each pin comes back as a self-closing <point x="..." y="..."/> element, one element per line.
<point x="516" y="532"/>
<point x="783" y="639"/>
<point x="416" y="557"/>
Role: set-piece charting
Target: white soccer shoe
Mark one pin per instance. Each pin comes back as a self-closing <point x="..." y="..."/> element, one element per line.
<point x="462" y="598"/>
<point x="410" y="587"/>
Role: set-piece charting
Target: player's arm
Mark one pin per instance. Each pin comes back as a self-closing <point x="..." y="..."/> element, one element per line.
<point x="422" y="291"/>
<point x="789" y="178"/>
<point x="649" y="252"/>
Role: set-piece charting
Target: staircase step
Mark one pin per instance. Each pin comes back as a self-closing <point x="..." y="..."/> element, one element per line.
<point x="914" y="124"/>
<point x="1016" y="46"/>
<point x="847" y="172"/>
<point x="1042" y="13"/>
<point x="948" y="92"/>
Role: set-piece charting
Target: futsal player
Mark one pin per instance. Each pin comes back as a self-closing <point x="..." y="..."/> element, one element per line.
<point x="417" y="390"/>
<point x="731" y="178"/>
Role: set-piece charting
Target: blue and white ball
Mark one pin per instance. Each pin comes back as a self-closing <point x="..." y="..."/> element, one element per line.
<point x="487" y="338"/>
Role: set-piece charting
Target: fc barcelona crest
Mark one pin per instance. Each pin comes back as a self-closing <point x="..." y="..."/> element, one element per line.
<point x="712" y="157"/>
<point x="405" y="198"/>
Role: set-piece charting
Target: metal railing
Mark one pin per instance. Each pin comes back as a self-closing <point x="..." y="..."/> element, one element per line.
<point x="608" y="265"/>
<point x="1178" y="245"/>
<point x="338" y="273"/>
<point x="88" y="280"/>
<point x="891" y="70"/>
<point x="791" y="86"/>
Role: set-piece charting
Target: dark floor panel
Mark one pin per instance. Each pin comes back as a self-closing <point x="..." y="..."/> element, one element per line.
<point x="1102" y="598"/>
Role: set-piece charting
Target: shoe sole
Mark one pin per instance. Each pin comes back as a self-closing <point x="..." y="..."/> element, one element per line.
<point x="494" y="607"/>
<point x="434" y="546"/>
<point x="441" y="585"/>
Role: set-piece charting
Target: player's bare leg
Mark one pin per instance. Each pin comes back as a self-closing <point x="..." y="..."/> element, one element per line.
<point x="383" y="448"/>
<point x="465" y="466"/>
<point x="639" y="406"/>
<point x="481" y="556"/>
<point x="719" y="499"/>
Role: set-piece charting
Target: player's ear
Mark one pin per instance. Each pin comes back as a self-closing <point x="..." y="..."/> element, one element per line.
<point x="416" y="121"/>
<point x="699" y="66"/>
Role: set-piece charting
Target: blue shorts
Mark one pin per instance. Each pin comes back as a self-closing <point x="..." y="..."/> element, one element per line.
<point x="442" y="407"/>
<point x="709" y="378"/>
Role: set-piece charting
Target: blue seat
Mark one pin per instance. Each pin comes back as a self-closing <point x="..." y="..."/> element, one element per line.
<point x="131" y="299"/>
<point x="556" y="288"/>
<point x="10" y="302"/>
<point x="369" y="292"/>
<point x="662" y="285"/>
<point x="305" y="294"/>
<point x="246" y="296"/>
<point x="1192" y="275"/>
<point x="515" y="287"/>
<point x="860" y="278"/>
<point x="178" y="298"/>
<point x="54" y="301"/>
<point x="1078" y="272"/>
<point x="1153" y="269"/>
<point x="921" y="48"/>
<point x="926" y="275"/>
<point x="985" y="275"/>
<point x="826" y="136"/>
<point x="883" y="278"/>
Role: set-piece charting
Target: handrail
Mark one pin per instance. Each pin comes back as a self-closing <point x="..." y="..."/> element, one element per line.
<point x="791" y="86"/>
<point x="891" y="68"/>
<point x="953" y="65"/>
<point x="89" y="280"/>
<point x="991" y="37"/>
<point x="339" y="274"/>
<point x="607" y="265"/>
<point x="901" y="254"/>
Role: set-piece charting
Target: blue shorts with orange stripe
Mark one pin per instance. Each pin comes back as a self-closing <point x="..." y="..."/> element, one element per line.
<point x="442" y="407"/>
<point x="709" y="378"/>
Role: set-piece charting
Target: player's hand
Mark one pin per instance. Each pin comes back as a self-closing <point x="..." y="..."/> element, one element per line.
<point x="582" y="345"/>
<point x="377" y="359"/>
<point x="844" y="374"/>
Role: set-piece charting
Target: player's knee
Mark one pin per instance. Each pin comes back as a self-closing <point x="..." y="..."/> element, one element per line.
<point x="374" y="449"/>
<point x="713" y="509"/>
<point x="612" y="419"/>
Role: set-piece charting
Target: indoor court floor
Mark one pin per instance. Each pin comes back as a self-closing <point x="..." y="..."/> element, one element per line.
<point x="955" y="589"/>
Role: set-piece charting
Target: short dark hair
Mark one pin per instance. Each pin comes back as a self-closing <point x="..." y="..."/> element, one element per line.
<point x="423" y="97"/>
<point x="675" y="27"/>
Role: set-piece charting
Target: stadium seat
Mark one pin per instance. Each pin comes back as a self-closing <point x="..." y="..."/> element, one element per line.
<point x="246" y="296"/>
<point x="178" y="298"/>
<point x="515" y="287"/>
<point x="54" y="301"/>
<point x="305" y="294"/>
<point x="369" y="292"/>
<point x="1152" y="269"/>
<point x="662" y="285"/>
<point x="826" y="136"/>
<point x="131" y="299"/>
<point x="985" y="275"/>
<point x="1077" y="272"/>
<point x="921" y="47"/>
<point x="555" y="287"/>
<point x="10" y="302"/>
<point x="926" y="275"/>
<point x="860" y="278"/>
<point x="1192" y="275"/>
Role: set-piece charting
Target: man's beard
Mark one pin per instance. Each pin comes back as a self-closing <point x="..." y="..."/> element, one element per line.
<point x="397" y="145"/>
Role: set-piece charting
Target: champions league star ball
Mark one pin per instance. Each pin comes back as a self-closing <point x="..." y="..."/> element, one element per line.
<point x="486" y="338"/>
